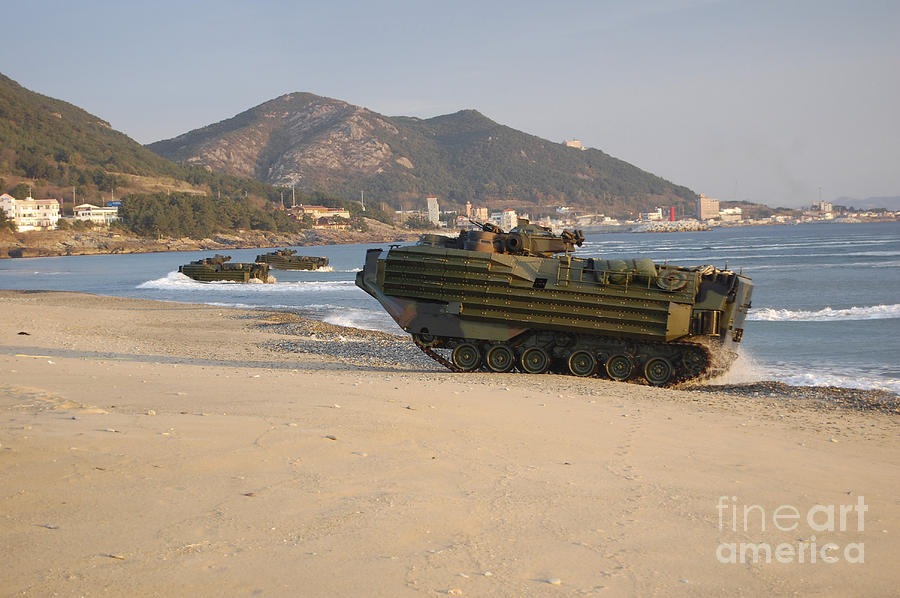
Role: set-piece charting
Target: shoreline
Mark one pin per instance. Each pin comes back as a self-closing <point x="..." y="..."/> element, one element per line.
<point x="106" y="242"/>
<point x="111" y="242"/>
<point x="164" y="448"/>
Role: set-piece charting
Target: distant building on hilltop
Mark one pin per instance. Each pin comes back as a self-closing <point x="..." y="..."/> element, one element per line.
<point x="29" y="213"/>
<point x="707" y="208"/>
<point x="573" y="143"/>
<point x="434" y="212"/>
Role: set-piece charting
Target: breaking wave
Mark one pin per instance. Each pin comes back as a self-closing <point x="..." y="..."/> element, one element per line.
<point x="178" y="281"/>
<point x="875" y="312"/>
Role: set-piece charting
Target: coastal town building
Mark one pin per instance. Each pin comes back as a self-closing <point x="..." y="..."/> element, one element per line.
<point x="318" y="212"/>
<point x="707" y="208"/>
<point x="29" y="213"/>
<point x="480" y="214"/>
<point x="731" y="214"/>
<point x="823" y="207"/>
<point x="652" y="216"/>
<point x="96" y="214"/>
<point x="434" y="212"/>
<point x="506" y="219"/>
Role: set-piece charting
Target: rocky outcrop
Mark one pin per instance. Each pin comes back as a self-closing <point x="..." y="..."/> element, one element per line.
<point x="297" y="138"/>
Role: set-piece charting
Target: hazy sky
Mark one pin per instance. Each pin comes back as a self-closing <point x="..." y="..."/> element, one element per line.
<point x="766" y="101"/>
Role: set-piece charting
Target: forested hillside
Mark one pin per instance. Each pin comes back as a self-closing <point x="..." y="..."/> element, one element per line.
<point x="322" y="143"/>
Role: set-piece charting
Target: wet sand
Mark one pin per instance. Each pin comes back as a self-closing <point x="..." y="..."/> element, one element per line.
<point x="167" y="449"/>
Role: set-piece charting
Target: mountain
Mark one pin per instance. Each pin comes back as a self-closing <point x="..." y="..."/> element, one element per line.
<point x="888" y="203"/>
<point x="315" y="142"/>
<point x="55" y="146"/>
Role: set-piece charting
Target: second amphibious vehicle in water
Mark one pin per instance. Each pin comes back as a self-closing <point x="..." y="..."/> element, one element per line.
<point x="287" y="259"/>
<point x="498" y="301"/>
<point x="217" y="269"/>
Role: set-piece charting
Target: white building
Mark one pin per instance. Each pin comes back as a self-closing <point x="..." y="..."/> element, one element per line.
<point x="651" y="216"/>
<point x="731" y="214"/>
<point x="434" y="213"/>
<point x="823" y="206"/>
<point x="507" y="219"/>
<point x="29" y="213"/>
<point x="96" y="214"/>
<point x="318" y="212"/>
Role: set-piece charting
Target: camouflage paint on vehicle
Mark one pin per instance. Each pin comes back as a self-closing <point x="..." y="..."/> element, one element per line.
<point x="216" y="268"/>
<point x="522" y="300"/>
<point x="287" y="259"/>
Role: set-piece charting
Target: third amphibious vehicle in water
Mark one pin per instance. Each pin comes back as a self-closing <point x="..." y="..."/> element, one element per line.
<point x="497" y="301"/>
<point x="287" y="259"/>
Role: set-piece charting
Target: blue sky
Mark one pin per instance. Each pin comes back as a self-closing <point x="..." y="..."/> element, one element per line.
<point x="766" y="101"/>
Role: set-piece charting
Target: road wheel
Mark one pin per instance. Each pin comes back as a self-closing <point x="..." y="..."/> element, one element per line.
<point x="500" y="358"/>
<point x="582" y="363"/>
<point x="466" y="357"/>
<point x="658" y="371"/>
<point x="535" y="361"/>
<point x="619" y="367"/>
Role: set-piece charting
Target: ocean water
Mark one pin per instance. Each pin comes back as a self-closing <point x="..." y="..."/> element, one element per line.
<point x="826" y="302"/>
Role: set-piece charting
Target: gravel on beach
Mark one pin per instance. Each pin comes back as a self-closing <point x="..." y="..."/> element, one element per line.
<point x="354" y="347"/>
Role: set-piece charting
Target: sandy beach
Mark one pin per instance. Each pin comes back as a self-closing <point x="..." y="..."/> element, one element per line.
<point x="162" y="449"/>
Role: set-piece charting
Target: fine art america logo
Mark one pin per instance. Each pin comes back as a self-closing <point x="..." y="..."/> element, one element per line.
<point x="826" y="520"/>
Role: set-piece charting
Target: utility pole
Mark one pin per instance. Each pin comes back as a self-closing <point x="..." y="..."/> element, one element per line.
<point x="362" y="199"/>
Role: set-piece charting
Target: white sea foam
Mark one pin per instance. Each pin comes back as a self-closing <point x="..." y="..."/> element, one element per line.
<point x="808" y="378"/>
<point x="874" y="312"/>
<point x="178" y="281"/>
<point x="747" y="369"/>
<point x="744" y="369"/>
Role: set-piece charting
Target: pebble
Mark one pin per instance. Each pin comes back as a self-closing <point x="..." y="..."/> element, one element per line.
<point x="554" y="581"/>
<point x="833" y="440"/>
<point x="331" y="437"/>
<point x="383" y="349"/>
<point x="110" y="430"/>
<point x="487" y="574"/>
<point x="292" y="425"/>
<point x="151" y="412"/>
<point x="335" y="406"/>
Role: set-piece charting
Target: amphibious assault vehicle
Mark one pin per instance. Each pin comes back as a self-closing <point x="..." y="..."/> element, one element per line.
<point x="216" y="268"/>
<point x="287" y="259"/>
<point x="498" y="301"/>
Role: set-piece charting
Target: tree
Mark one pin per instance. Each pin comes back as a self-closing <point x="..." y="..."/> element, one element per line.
<point x="21" y="191"/>
<point x="416" y="222"/>
<point x="6" y="223"/>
